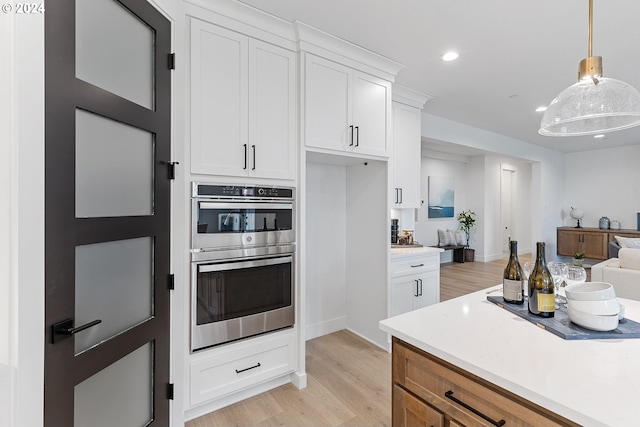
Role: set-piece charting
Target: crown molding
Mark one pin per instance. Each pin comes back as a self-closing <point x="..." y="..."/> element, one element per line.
<point x="410" y="97"/>
<point x="323" y="44"/>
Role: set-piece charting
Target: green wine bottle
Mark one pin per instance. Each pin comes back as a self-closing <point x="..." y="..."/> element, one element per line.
<point x="513" y="277"/>
<point x="541" y="301"/>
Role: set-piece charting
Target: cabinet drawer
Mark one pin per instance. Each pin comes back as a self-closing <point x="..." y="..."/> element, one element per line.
<point x="414" y="265"/>
<point x="409" y="411"/>
<point x="444" y="386"/>
<point x="240" y="366"/>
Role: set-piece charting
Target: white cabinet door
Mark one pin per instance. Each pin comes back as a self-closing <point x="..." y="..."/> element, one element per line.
<point x="219" y="100"/>
<point x="413" y="292"/>
<point x="272" y="111"/>
<point x="406" y="156"/>
<point x="345" y="110"/>
<point x="243" y="105"/>
<point x="371" y="114"/>
<point x="428" y="290"/>
<point x="404" y="290"/>
<point x="327" y="104"/>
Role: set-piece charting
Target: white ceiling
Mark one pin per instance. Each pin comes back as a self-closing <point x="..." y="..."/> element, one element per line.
<point x="514" y="55"/>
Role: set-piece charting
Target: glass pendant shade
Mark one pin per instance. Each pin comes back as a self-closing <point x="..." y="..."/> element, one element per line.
<point x="586" y="108"/>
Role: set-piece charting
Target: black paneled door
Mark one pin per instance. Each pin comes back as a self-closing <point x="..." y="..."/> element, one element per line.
<point x="107" y="207"/>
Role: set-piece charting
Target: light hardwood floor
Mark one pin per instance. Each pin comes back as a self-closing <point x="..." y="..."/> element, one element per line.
<point x="349" y="379"/>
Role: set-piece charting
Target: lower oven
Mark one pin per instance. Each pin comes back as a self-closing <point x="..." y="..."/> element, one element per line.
<point x="245" y="293"/>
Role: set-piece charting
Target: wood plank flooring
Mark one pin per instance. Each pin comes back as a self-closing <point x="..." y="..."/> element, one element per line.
<point x="349" y="379"/>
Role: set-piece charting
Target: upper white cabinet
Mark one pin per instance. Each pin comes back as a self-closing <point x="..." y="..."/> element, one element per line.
<point x="345" y="109"/>
<point x="243" y="105"/>
<point x="346" y="96"/>
<point x="407" y="134"/>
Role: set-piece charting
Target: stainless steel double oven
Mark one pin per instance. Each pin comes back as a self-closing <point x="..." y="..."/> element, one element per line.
<point x="242" y="262"/>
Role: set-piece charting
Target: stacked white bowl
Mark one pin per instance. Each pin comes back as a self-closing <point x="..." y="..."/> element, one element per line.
<point x="593" y="305"/>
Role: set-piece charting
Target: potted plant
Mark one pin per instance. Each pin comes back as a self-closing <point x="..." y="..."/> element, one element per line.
<point x="467" y="221"/>
<point x="578" y="258"/>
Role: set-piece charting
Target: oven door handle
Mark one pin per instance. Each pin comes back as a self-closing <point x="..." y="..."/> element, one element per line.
<point x="207" y="268"/>
<point x="249" y="206"/>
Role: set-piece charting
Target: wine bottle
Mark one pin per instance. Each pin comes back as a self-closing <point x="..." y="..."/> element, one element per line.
<point x="541" y="301"/>
<point x="513" y="277"/>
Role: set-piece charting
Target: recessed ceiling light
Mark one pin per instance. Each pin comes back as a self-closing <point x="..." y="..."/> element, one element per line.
<point x="601" y="135"/>
<point x="450" y="56"/>
<point x="541" y="109"/>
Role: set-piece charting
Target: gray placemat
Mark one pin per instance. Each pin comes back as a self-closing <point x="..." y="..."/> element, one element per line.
<point x="562" y="326"/>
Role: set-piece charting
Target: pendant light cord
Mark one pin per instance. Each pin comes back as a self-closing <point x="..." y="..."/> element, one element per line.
<point x="590" y="28"/>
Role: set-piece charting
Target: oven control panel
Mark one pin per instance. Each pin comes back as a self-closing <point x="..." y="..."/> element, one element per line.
<point x="241" y="191"/>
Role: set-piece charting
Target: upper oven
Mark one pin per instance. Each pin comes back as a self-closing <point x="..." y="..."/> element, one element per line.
<point x="238" y="216"/>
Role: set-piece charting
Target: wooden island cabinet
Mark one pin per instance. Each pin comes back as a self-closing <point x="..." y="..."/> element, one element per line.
<point x="593" y="242"/>
<point x="428" y="391"/>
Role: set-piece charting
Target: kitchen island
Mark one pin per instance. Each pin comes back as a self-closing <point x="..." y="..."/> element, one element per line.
<point x="590" y="382"/>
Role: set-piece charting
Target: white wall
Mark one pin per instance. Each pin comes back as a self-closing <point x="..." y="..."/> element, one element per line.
<point x="21" y="220"/>
<point x="426" y="229"/>
<point x="326" y="256"/>
<point x="603" y="183"/>
<point x="477" y="187"/>
<point x="547" y="183"/>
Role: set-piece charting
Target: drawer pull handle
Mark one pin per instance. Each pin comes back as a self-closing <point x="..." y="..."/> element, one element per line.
<point x="246" y="369"/>
<point x="419" y="265"/>
<point x="449" y="395"/>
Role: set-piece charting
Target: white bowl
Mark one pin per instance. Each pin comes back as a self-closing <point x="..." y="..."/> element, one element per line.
<point x="593" y="321"/>
<point x="607" y="307"/>
<point x="590" y="291"/>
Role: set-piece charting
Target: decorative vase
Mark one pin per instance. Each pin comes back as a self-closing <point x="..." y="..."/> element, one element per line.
<point x="578" y="261"/>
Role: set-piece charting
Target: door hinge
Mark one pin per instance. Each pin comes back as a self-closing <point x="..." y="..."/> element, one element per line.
<point x="172" y="61"/>
<point x="172" y="169"/>
<point x="170" y="391"/>
<point x="172" y="282"/>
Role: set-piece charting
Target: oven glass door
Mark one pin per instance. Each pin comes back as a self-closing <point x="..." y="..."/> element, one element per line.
<point x="238" y="289"/>
<point x="223" y="217"/>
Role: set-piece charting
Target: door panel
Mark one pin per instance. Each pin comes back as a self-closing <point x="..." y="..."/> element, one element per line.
<point x="114" y="283"/>
<point x="123" y="390"/>
<point x="108" y="36"/>
<point x="114" y="168"/>
<point x="107" y="223"/>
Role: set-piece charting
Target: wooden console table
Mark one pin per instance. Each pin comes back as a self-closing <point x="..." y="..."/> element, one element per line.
<point x="593" y="242"/>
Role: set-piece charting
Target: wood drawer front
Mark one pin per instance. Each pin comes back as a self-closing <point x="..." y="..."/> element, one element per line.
<point x="230" y="371"/>
<point x="409" y="411"/>
<point x="430" y="378"/>
<point x="414" y="265"/>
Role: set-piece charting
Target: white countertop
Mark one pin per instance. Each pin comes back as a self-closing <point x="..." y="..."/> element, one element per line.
<point x="398" y="252"/>
<point x="592" y="382"/>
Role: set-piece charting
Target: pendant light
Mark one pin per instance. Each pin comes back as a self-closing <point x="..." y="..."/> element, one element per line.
<point x="593" y="105"/>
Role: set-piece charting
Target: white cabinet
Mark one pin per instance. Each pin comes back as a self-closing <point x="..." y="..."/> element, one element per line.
<point x="243" y="105"/>
<point x="415" y="282"/>
<point x="407" y="135"/>
<point x="220" y="372"/>
<point x="346" y="110"/>
<point x="406" y="156"/>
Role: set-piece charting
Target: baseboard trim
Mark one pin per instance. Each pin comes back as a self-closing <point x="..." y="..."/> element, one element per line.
<point x="299" y="380"/>
<point x="327" y="327"/>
